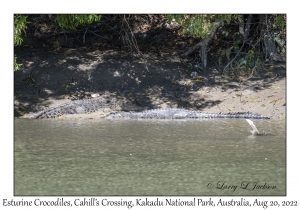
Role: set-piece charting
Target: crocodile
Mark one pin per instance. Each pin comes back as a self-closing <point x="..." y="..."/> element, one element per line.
<point x="174" y="113"/>
<point x="93" y="105"/>
<point x="75" y="107"/>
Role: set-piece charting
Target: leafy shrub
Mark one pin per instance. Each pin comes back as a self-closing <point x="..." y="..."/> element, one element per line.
<point x="19" y="27"/>
<point x="72" y="21"/>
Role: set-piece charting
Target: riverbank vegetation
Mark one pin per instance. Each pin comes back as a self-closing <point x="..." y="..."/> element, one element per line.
<point x="235" y="44"/>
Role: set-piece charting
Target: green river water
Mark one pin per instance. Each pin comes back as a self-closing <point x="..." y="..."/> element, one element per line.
<point x="148" y="157"/>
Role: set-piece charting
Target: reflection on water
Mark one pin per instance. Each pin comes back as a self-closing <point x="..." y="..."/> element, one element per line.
<point x="149" y="157"/>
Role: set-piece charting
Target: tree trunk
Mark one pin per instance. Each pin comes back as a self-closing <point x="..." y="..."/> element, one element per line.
<point x="269" y="47"/>
<point x="248" y="24"/>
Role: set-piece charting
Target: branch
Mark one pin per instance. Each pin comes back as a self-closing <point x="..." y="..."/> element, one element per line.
<point x="249" y="76"/>
<point x="205" y="41"/>
<point x="234" y="57"/>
